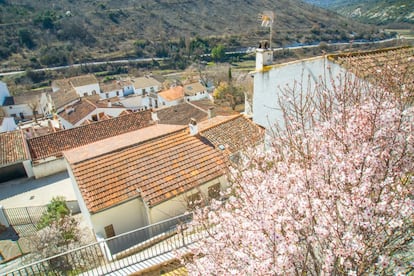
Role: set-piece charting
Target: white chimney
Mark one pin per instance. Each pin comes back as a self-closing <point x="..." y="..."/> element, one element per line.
<point x="264" y="56"/>
<point x="109" y="104"/>
<point x="210" y="112"/>
<point x="193" y="127"/>
<point x="154" y="117"/>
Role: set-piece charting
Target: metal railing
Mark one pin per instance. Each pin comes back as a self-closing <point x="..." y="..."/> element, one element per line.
<point x="117" y="253"/>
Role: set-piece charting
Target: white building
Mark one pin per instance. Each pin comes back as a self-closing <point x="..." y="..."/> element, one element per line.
<point x="195" y="91"/>
<point x="171" y="97"/>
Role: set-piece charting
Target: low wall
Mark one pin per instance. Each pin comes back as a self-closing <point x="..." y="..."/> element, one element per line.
<point x="46" y="168"/>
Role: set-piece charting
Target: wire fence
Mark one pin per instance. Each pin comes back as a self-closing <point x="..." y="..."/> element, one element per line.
<point x="122" y="254"/>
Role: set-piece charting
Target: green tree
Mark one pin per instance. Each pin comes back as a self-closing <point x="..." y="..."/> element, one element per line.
<point x="218" y="53"/>
<point x="25" y="38"/>
<point x="56" y="210"/>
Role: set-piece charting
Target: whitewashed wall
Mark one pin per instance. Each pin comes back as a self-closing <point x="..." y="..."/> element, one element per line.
<point x="124" y="217"/>
<point x="268" y="85"/>
<point x="50" y="167"/>
<point x="178" y="205"/>
<point x="88" y="89"/>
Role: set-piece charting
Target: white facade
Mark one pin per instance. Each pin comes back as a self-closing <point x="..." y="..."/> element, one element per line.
<point x="4" y="92"/>
<point x="93" y="116"/>
<point x="166" y="103"/>
<point x="51" y="166"/>
<point x="270" y="83"/>
<point x="22" y="111"/>
<point x="88" y="90"/>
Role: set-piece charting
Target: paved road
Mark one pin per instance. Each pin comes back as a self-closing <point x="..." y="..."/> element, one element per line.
<point x="35" y="192"/>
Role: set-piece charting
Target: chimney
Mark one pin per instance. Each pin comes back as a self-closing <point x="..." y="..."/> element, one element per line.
<point x="264" y="55"/>
<point x="109" y="104"/>
<point x="210" y="112"/>
<point x="193" y="127"/>
<point x="154" y="117"/>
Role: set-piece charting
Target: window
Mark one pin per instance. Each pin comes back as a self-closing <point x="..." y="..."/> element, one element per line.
<point x="85" y="94"/>
<point x="93" y="92"/>
<point x="107" y="95"/>
<point x="194" y="201"/>
<point x="95" y="118"/>
<point x="117" y="93"/>
<point x="109" y="231"/>
<point x="214" y="191"/>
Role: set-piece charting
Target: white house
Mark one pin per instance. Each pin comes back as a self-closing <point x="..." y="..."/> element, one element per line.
<point x="46" y="150"/>
<point x="22" y="107"/>
<point x="271" y="81"/>
<point x="156" y="172"/>
<point x="87" y="110"/>
<point x="171" y="97"/>
<point x="55" y="101"/>
<point x="85" y="85"/>
<point x="145" y="85"/>
<point x="195" y="91"/>
<point x="116" y="88"/>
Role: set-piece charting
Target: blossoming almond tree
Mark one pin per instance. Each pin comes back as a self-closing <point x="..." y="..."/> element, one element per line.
<point x="331" y="195"/>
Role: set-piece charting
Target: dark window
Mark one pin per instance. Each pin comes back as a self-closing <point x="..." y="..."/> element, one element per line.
<point x="95" y="118"/>
<point x="214" y="191"/>
<point x="194" y="200"/>
<point x="109" y="231"/>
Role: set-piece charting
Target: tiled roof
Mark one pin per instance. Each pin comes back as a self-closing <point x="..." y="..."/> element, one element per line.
<point x="62" y="84"/>
<point x="218" y="110"/>
<point x="53" y="144"/>
<point x="83" y="80"/>
<point x="180" y="114"/>
<point x="157" y="167"/>
<point x="79" y="110"/>
<point x="233" y="132"/>
<point x="173" y="93"/>
<point x="12" y="148"/>
<point x="193" y="88"/>
<point x="377" y="65"/>
<point x="27" y="98"/>
<point x="110" y="86"/>
<point x="63" y="97"/>
<point x="144" y="82"/>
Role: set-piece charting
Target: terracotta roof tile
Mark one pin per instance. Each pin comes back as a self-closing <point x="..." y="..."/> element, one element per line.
<point x="180" y="114"/>
<point x="145" y="82"/>
<point x="63" y="97"/>
<point x="83" y="80"/>
<point x="374" y="65"/>
<point x="53" y="144"/>
<point x="157" y="169"/>
<point x="173" y="93"/>
<point x="233" y="132"/>
<point x="193" y="88"/>
<point x="12" y="148"/>
<point x="79" y="110"/>
<point x="218" y="110"/>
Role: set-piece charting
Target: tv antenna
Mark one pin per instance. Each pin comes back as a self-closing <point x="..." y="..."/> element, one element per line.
<point x="267" y="18"/>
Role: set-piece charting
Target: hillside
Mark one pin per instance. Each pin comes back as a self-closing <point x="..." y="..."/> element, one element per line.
<point x="48" y="33"/>
<point x="382" y="12"/>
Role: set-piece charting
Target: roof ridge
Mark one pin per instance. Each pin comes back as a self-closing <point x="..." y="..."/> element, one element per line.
<point x="85" y="126"/>
<point x="132" y="145"/>
<point x="361" y="53"/>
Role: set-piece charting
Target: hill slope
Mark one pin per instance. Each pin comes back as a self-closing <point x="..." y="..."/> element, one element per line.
<point x="39" y="33"/>
<point x="372" y="11"/>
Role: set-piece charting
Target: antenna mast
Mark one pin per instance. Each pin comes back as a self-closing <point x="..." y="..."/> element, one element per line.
<point x="267" y="18"/>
